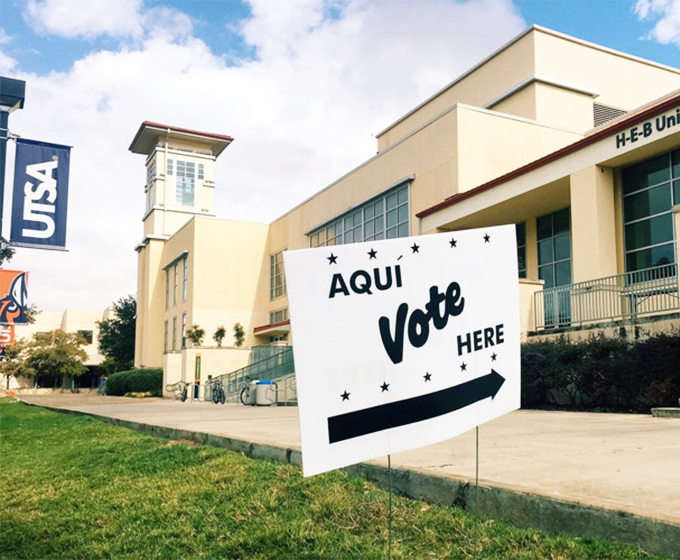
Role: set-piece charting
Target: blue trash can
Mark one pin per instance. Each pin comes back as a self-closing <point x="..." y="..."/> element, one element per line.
<point x="265" y="392"/>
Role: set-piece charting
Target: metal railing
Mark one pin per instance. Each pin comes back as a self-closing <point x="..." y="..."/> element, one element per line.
<point x="623" y="296"/>
<point x="278" y="365"/>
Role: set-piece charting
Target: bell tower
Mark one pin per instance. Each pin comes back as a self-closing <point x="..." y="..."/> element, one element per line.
<point x="179" y="185"/>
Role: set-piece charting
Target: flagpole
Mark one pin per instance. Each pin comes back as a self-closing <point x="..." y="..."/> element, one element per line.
<point x="12" y="94"/>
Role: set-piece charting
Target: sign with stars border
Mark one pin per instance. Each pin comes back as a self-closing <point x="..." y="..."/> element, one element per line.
<point x="402" y="343"/>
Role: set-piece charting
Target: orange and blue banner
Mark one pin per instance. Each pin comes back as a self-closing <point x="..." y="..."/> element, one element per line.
<point x="40" y="198"/>
<point x="6" y="335"/>
<point x="13" y="297"/>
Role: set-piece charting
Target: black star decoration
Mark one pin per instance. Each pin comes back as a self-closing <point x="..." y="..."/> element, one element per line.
<point x="486" y="238"/>
<point x="332" y="259"/>
<point x="372" y="253"/>
<point x="345" y="396"/>
<point x="384" y="387"/>
<point x="493" y="357"/>
<point x="453" y="242"/>
<point x="463" y="367"/>
<point x="428" y="377"/>
<point x="415" y="248"/>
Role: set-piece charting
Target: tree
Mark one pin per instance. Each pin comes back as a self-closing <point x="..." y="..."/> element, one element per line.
<point x="57" y="353"/>
<point x="32" y="313"/>
<point x="196" y="334"/>
<point x="117" y="335"/>
<point x="6" y="252"/>
<point x="219" y="335"/>
<point x="14" y="363"/>
<point x="239" y="335"/>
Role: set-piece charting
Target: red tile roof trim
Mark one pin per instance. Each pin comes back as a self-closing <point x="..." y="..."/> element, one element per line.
<point x="149" y="124"/>
<point x="620" y="124"/>
<point x="188" y="131"/>
<point x="272" y="326"/>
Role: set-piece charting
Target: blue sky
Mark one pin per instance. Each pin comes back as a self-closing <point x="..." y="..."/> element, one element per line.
<point x="612" y="23"/>
<point x="302" y="85"/>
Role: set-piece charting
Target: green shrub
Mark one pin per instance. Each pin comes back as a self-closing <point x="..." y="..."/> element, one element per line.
<point x="602" y="371"/>
<point x="136" y="381"/>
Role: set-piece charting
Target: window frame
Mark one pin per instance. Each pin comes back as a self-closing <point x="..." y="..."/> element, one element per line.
<point x="277" y="276"/>
<point x="174" y="285"/>
<point x="185" y="183"/>
<point x="185" y="277"/>
<point x="369" y="221"/>
<point x="521" y="249"/>
<point x="672" y="183"/>
<point x="174" y="333"/>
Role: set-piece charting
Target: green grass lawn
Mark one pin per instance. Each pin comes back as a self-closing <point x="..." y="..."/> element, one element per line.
<point x="73" y="487"/>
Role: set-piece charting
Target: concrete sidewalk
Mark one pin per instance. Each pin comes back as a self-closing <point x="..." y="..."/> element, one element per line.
<point x="617" y="462"/>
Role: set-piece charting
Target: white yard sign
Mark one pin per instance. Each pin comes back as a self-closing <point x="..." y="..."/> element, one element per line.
<point x="402" y="343"/>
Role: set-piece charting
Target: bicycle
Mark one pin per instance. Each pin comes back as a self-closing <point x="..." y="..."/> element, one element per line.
<point x="244" y="394"/>
<point x="183" y="391"/>
<point x="217" y="393"/>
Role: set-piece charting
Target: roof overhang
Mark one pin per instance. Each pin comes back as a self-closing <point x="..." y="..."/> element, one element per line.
<point x="149" y="133"/>
<point x="273" y="329"/>
<point x="612" y="129"/>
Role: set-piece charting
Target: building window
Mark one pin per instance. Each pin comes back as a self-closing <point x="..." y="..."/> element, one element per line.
<point x="151" y="177"/>
<point x="650" y="189"/>
<point x="174" y="333"/>
<point x="165" y="336"/>
<point x="278" y="316"/>
<point x="167" y="289"/>
<point x="201" y="171"/>
<point x="554" y="248"/>
<point x="184" y="183"/>
<point x="87" y="336"/>
<point x="277" y="277"/>
<point x="174" y="285"/>
<point x="554" y="265"/>
<point x="521" y="231"/>
<point x="169" y="167"/>
<point x="184" y="330"/>
<point x="280" y="338"/>
<point x="184" y="279"/>
<point x="385" y="217"/>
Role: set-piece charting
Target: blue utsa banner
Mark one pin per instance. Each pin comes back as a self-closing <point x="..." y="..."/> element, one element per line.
<point x="40" y="195"/>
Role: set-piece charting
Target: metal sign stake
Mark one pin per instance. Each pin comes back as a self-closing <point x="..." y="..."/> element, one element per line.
<point x="389" y="527"/>
<point x="476" y="490"/>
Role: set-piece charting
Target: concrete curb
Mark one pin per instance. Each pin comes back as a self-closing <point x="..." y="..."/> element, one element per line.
<point x="519" y="508"/>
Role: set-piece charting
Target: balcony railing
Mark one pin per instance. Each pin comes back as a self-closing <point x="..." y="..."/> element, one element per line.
<point x="624" y="296"/>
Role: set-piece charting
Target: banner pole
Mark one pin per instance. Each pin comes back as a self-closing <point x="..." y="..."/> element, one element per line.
<point x="389" y="528"/>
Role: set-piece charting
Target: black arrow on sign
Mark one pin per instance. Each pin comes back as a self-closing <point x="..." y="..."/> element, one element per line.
<point x="416" y="409"/>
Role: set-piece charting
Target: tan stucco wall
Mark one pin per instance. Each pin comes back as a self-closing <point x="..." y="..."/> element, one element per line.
<point x="610" y="75"/>
<point x="181" y="366"/>
<point x="491" y="144"/>
<point x="565" y="108"/>
<point x="548" y="56"/>
<point x="496" y="77"/>
<point x="521" y="104"/>
<point x="527" y="289"/>
<point x="593" y="224"/>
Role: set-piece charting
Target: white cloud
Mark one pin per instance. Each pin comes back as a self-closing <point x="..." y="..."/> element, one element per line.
<point x="7" y="64"/>
<point x="122" y="19"/>
<point x="302" y="115"/>
<point x="667" y="12"/>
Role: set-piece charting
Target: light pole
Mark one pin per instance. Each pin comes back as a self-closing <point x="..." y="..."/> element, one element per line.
<point x="12" y="94"/>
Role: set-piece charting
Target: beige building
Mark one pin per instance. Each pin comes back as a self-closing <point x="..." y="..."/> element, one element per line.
<point x="546" y="133"/>
<point x="82" y="321"/>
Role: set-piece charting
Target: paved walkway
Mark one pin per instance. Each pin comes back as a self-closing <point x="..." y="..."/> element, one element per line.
<point x="621" y="462"/>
